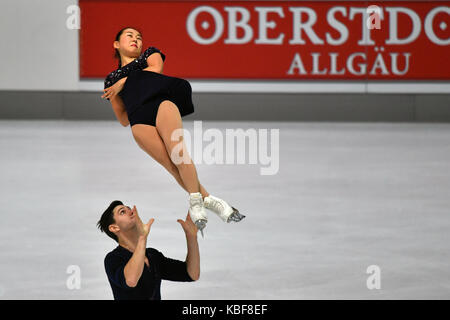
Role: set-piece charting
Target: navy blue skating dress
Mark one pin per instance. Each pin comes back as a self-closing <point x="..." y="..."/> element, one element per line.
<point x="143" y="91"/>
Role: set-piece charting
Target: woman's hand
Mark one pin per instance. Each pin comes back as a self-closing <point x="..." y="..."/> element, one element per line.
<point x="114" y="90"/>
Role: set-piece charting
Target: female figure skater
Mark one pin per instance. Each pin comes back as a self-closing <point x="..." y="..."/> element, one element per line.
<point x="153" y="104"/>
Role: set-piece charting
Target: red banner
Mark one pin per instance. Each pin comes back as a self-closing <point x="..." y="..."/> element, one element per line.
<point x="307" y="40"/>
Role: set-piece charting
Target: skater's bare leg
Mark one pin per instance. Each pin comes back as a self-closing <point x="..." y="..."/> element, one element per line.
<point x="167" y="121"/>
<point x="149" y="140"/>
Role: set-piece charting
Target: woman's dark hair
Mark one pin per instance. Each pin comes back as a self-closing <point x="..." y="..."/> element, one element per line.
<point x="107" y="219"/>
<point x="117" y="53"/>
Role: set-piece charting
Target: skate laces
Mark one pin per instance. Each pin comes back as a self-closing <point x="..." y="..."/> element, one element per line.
<point x="195" y="201"/>
<point x="216" y="205"/>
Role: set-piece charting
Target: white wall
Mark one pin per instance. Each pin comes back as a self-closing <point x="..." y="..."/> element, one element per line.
<point x="38" y="51"/>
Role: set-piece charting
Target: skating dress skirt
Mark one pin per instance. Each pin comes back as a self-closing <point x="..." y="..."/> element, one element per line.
<point x="143" y="91"/>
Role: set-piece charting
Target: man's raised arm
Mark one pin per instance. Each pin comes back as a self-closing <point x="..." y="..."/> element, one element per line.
<point x="193" y="253"/>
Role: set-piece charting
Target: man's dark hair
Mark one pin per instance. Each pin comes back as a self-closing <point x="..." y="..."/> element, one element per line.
<point x="107" y="219"/>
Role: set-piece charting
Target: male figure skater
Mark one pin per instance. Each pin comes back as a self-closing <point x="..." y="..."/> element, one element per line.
<point x="135" y="271"/>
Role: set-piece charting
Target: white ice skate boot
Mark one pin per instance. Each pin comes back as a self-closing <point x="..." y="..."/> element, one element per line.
<point x="220" y="207"/>
<point x="197" y="211"/>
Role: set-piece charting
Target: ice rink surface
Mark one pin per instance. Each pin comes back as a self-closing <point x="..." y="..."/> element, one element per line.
<point x="346" y="196"/>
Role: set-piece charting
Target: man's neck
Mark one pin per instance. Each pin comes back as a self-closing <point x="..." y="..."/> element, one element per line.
<point x="129" y="240"/>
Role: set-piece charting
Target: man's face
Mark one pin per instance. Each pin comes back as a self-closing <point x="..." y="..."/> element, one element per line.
<point x="125" y="218"/>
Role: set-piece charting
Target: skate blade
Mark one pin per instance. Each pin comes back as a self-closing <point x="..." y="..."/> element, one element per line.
<point x="236" y="216"/>
<point x="201" y="224"/>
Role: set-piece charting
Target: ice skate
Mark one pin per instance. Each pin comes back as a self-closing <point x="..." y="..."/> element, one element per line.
<point x="197" y="211"/>
<point x="220" y="207"/>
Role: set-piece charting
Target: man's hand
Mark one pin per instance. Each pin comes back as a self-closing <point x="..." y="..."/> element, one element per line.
<point x="190" y="229"/>
<point x="144" y="229"/>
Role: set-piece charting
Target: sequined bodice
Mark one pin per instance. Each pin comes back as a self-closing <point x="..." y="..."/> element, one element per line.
<point x="137" y="64"/>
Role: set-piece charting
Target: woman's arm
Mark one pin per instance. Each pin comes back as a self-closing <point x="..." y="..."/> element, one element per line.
<point x="155" y="63"/>
<point x="112" y="94"/>
<point x="119" y="110"/>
